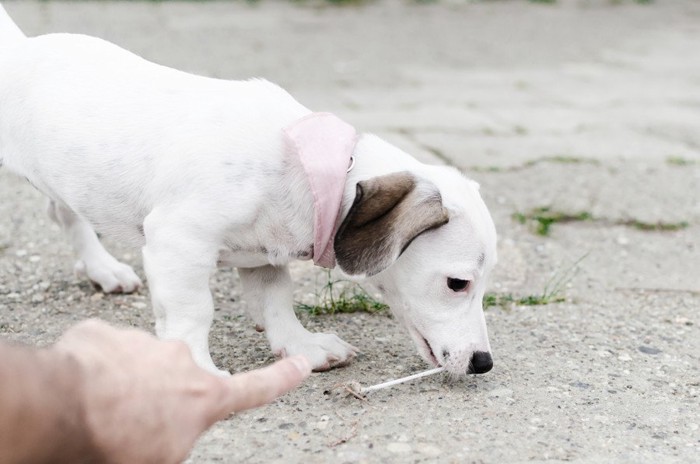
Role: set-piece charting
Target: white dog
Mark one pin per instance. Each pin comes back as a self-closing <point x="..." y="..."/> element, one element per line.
<point x="201" y="172"/>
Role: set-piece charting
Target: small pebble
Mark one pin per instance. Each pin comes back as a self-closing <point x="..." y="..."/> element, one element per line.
<point x="500" y="393"/>
<point x="398" y="448"/>
<point x="649" y="350"/>
<point x="321" y="425"/>
<point x="428" y="449"/>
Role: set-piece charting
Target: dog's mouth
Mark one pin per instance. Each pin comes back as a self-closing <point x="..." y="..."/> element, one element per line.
<point x="432" y="357"/>
<point x="424" y="347"/>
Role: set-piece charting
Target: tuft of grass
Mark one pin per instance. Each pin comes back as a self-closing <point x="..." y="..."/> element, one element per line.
<point x="561" y="159"/>
<point x="520" y="130"/>
<point x="679" y="161"/>
<point x="553" y="291"/>
<point x="341" y="296"/>
<point x="490" y="169"/>
<point x="346" y="2"/>
<point x="507" y="299"/>
<point x="640" y="2"/>
<point x="330" y="2"/>
<point x="547" y="159"/>
<point x="543" y="218"/>
<point x="655" y="226"/>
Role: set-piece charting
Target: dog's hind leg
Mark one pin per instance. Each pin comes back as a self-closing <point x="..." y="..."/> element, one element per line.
<point x="253" y="295"/>
<point x="93" y="260"/>
<point x="269" y="290"/>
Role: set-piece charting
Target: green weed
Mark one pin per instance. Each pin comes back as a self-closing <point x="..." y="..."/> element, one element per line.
<point x="520" y="130"/>
<point x="655" y="226"/>
<point x="560" y="159"/>
<point x="341" y="296"/>
<point x="508" y="299"/>
<point x="553" y="291"/>
<point x="543" y="218"/>
<point x="679" y="161"/>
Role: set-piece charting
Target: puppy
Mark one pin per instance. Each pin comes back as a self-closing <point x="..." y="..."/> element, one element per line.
<point x="200" y="172"/>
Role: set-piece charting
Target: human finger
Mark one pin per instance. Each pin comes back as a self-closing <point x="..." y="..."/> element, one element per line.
<point x="261" y="386"/>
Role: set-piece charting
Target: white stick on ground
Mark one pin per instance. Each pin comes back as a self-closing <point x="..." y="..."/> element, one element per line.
<point x="391" y="383"/>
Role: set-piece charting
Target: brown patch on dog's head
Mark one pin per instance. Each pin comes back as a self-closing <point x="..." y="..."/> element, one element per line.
<point x="387" y="214"/>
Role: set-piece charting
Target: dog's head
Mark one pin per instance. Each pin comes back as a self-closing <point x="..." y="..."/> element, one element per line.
<point x="427" y="241"/>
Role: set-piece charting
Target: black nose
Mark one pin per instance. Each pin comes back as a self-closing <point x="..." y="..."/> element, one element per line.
<point x="481" y="362"/>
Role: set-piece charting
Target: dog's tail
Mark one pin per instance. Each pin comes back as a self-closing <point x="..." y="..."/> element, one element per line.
<point x="9" y="32"/>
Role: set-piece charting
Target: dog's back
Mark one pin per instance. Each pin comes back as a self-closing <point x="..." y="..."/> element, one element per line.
<point x="9" y="32"/>
<point x="73" y="103"/>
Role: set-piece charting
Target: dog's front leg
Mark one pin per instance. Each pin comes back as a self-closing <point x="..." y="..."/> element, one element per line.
<point x="179" y="258"/>
<point x="268" y="292"/>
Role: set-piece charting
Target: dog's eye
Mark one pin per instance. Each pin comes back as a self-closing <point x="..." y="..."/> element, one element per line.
<point x="457" y="285"/>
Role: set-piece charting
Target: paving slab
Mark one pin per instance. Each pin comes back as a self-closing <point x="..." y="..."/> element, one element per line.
<point x="579" y="106"/>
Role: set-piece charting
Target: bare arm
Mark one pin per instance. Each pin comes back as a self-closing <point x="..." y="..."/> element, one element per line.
<point x="115" y="395"/>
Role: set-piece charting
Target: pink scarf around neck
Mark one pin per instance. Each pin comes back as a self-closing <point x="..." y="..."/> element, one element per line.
<point x="325" y="145"/>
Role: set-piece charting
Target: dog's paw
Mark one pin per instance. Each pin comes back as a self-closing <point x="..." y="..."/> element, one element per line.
<point x="324" y="351"/>
<point x="110" y="275"/>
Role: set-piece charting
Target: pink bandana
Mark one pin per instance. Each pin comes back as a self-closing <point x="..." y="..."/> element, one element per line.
<point x="325" y="145"/>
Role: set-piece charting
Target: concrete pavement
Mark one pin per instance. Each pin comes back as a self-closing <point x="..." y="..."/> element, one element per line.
<point x="581" y="106"/>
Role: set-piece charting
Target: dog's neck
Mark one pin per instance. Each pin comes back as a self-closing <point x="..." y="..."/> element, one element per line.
<point x="324" y="145"/>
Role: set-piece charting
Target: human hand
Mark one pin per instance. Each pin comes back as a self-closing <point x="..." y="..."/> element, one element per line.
<point x="145" y="400"/>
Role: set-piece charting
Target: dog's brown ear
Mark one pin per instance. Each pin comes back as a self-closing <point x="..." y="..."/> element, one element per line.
<point x="388" y="213"/>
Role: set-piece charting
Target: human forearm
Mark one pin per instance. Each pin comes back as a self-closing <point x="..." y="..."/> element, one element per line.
<point x="41" y="410"/>
<point x="102" y="394"/>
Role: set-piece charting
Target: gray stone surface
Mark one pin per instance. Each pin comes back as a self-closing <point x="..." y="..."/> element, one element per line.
<point x="581" y="106"/>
